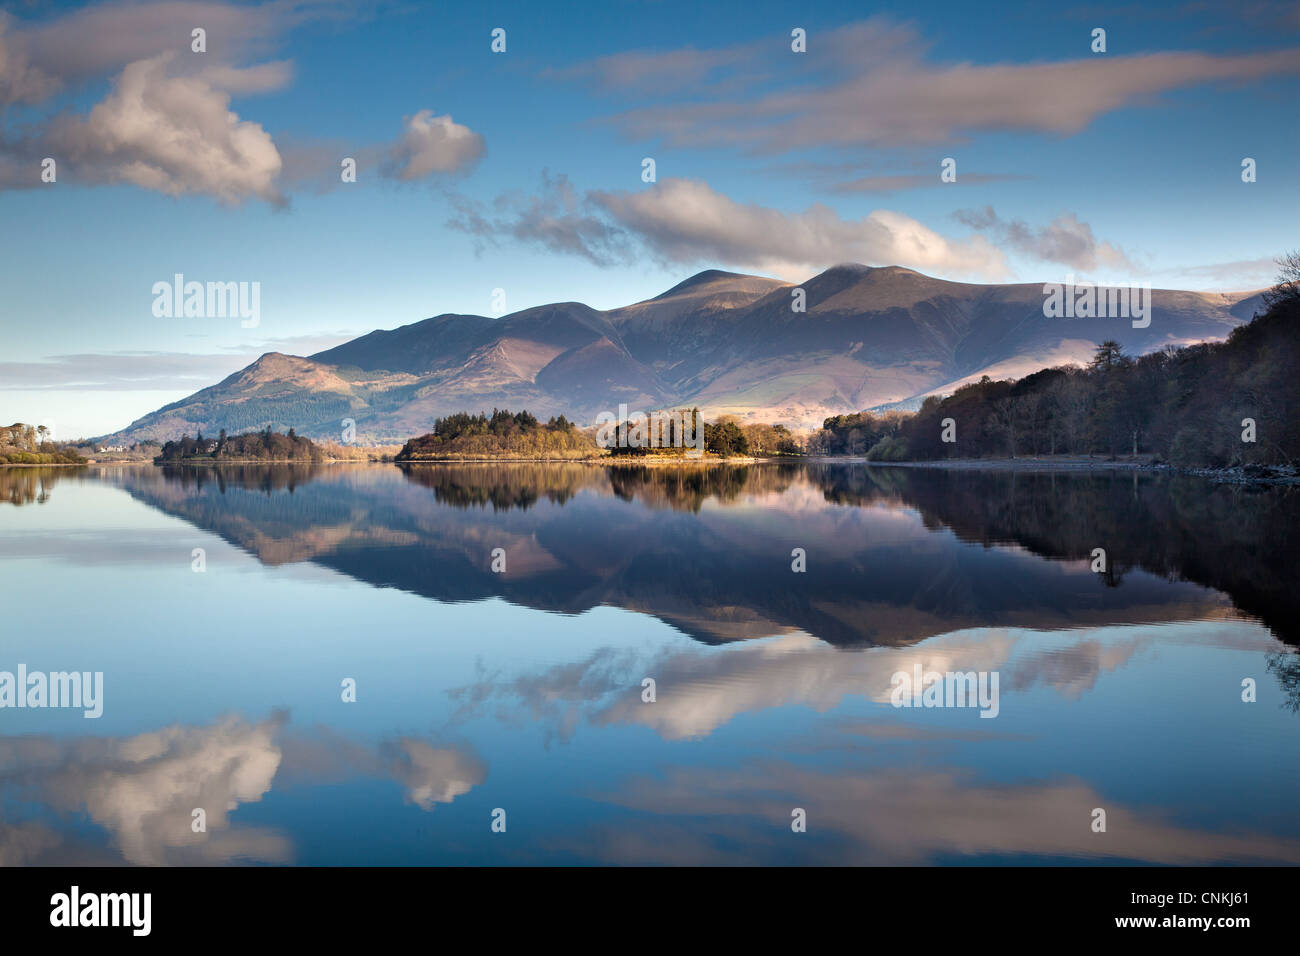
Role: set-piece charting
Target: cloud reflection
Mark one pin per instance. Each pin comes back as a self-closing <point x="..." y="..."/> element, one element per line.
<point x="142" y="790"/>
<point x="898" y="817"/>
<point x="698" y="691"/>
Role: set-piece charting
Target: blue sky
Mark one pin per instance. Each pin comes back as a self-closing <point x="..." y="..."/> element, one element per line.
<point x="522" y="170"/>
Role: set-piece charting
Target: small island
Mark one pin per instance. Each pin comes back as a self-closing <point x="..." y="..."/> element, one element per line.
<point x="265" y="445"/>
<point x="501" y="435"/>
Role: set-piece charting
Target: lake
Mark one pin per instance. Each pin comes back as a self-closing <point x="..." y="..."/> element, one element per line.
<point x="574" y="664"/>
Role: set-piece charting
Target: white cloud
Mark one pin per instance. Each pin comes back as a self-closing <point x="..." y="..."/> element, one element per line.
<point x="174" y="134"/>
<point x="167" y="123"/>
<point x="1065" y="239"/>
<point x="685" y="220"/>
<point x="432" y="144"/>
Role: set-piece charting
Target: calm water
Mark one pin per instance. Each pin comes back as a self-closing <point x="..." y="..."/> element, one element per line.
<point x="522" y="692"/>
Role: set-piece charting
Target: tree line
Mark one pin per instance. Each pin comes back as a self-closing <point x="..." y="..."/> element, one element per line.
<point x="499" y="435"/>
<point x="23" y="444"/>
<point x="1209" y="405"/>
<point x="657" y="435"/>
<point x="265" y="445"/>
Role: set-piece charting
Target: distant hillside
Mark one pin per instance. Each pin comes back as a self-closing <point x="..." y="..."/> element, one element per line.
<point x="727" y="343"/>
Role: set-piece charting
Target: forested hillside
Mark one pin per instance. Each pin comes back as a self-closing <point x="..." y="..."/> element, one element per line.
<point x="1211" y="405"/>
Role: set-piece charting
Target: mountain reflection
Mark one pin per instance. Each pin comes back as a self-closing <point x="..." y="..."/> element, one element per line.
<point x="782" y="699"/>
<point x="1242" y="541"/>
<point x="893" y="555"/>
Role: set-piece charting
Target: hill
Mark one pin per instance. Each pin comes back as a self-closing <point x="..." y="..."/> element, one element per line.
<point x="1212" y="405"/>
<point x="727" y="343"/>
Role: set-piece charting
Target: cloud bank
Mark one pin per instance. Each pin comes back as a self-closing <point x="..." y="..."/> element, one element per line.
<point x="680" y="222"/>
<point x="871" y="84"/>
<point x="167" y="123"/>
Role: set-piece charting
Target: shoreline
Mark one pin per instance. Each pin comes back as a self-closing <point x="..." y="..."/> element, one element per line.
<point x="613" y="461"/>
<point x="51" y="464"/>
<point x="1022" y="464"/>
<point x="1266" y="475"/>
<point x="1248" y="475"/>
<point x="261" y="461"/>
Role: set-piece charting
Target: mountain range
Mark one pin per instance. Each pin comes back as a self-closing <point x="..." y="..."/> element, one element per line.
<point x="868" y="338"/>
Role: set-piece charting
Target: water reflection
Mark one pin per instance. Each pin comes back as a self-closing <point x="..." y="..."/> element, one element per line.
<point x="143" y="790"/>
<point x="898" y="817"/>
<point x="709" y="690"/>
<point x="709" y="549"/>
<point x="31" y="485"/>
<point x="1120" y="691"/>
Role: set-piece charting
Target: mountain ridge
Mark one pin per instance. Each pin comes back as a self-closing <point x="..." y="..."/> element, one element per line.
<point x="729" y="343"/>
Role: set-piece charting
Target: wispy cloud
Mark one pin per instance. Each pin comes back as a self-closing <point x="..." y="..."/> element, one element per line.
<point x="56" y="54"/>
<point x="685" y="222"/>
<point x="556" y="217"/>
<point x="1238" y="275"/>
<point x="890" y="184"/>
<point x="1065" y="239"/>
<point x="656" y="71"/>
<point x="150" y="370"/>
<point x="871" y="84"/>
<point x="918" y="816"/>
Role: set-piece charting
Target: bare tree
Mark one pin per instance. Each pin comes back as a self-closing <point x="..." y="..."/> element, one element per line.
<point x="1288" y="280"/>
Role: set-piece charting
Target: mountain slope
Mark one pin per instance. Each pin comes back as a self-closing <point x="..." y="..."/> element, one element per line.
<point x="729" y="343"/>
